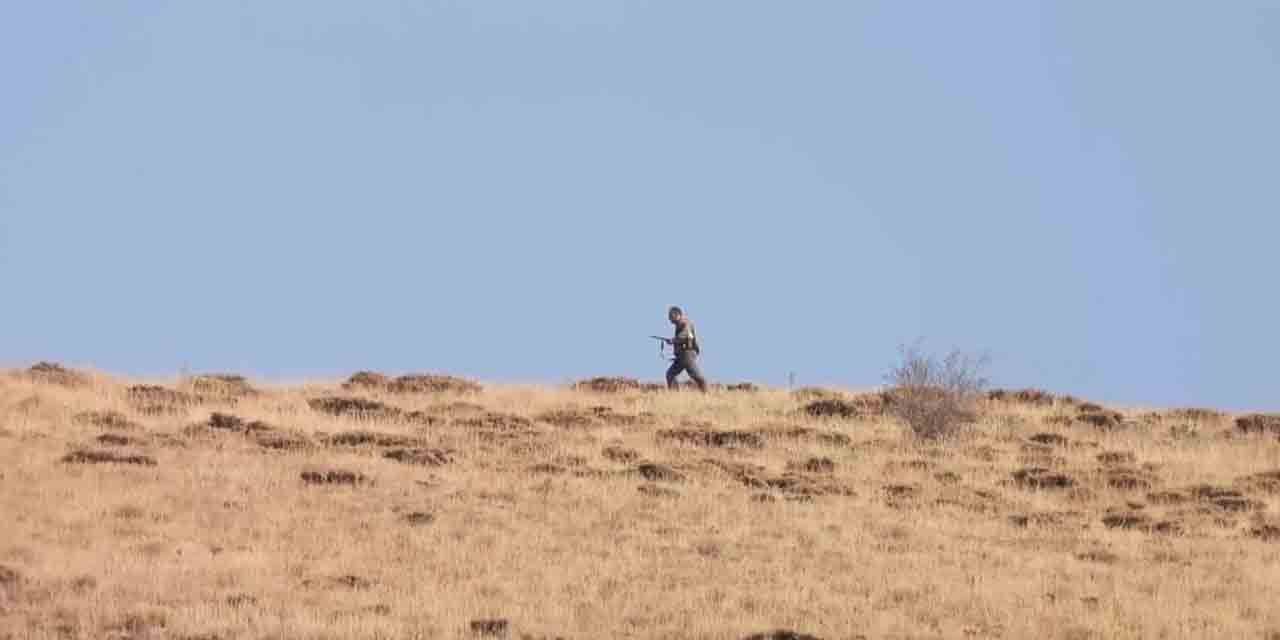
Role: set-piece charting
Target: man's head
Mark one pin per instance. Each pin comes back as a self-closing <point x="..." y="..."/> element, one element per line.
<point x="674" y="314"/>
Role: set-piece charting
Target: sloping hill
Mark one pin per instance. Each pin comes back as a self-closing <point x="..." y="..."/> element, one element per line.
<point x="434" y="507"/>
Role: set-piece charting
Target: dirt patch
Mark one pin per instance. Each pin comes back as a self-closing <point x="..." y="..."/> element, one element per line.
<point x="100" y="456"/>
<point x="420" y="457"/>
<point x="420" y="518"/>
<point x="658" y="473"/>
<point x="1041" y="478"/>
<point x="1050" y="439"/>
<point x="432" y="383"/>
<point x="490" y="627"/>
<point x="110" y="420"/>
<point x="1259" y="423"/>
<point x="620" y="454"/>
<point x="334" y="477"/>
<point x="715" y="439"/>
<point x="607" y="385"/>
<point x="813" y="465"/>
<point x="56" y="374"/>
<point x="351" y="407"/>
<point x="1033" y="397"/>
<point x="781" y="634"/>
<point x="361" y="438"/>
<point x="366" y="381"/>
<point x="1114" y="458"/>
<point x="225" y="385"/>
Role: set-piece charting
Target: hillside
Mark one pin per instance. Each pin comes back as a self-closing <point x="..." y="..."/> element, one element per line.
<point x="428" y="506"/>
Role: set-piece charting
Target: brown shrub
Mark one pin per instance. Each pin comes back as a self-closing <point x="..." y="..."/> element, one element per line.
<point x="933" y="396"/>
<point x="743" y="387"/>
<point x="1194" y="414"/>
<point x="607" y="385"/>
<point x="420" y="457"/>
<point x="1127" y="479"/>
<point x="111" y="420"/>
<point x="225" y="385"/>
<point x="353" y="408"/>
<point x="99" y="456"/>
<point x="1266" y="481"/>
<point x="284" y="442"/>
<point x="56" y="374"/>
<point x="620" y="454"/>
<point x="420" y="518"/>
<point x="366" y="380"/>
<point x="362" y="438"/>
<point x="813" y="465"/>
<point x="1040" y="478"/>
<point x="1112" y="458"/>
<point x="150" y="395"/>
<point x="1259" y="423"/>
<point x="115" y="440"/>
<point x="1102" y="419"/>
<point x="658" y="473"/>
<point x="1033" y="397"/>
<point x="1050" y="439"/>
<point x="780" y="634"/>
<point x="495" y="627"/>
<point x="1127" y="520"/>
<point x="835" y="408"/>
<point x="432" y="383"/>
<point x="334" y="477"/>
<point x="569" y="418"/>
<point x="496" y="421"/>
<point x="719" y="439"/>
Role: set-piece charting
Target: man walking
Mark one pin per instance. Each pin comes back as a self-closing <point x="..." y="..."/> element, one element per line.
<point x="685" y="345"/>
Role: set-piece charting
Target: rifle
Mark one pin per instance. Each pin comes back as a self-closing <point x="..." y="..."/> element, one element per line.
<point x="662" y="346"/>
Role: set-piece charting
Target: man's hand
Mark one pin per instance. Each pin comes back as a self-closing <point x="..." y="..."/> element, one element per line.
<point x="665" y="340"/>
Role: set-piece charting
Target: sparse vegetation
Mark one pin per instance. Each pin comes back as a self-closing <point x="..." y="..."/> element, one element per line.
<point x="163" y="511"/>
<point x="936" y="396"/>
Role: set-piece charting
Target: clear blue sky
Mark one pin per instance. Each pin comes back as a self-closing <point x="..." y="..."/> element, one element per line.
<point x="517" y="190"/>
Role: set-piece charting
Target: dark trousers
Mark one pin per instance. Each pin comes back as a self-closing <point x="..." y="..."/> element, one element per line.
<point x="686" y="361"/>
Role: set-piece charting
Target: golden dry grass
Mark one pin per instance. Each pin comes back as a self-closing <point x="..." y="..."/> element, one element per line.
<point x="634" y="514"/>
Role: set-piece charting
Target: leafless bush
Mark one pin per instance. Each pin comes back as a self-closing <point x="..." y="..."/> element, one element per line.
<point x="933" y="396"/>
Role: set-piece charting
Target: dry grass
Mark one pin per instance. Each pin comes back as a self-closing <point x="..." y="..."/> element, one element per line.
<point x="535" y="512"/>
